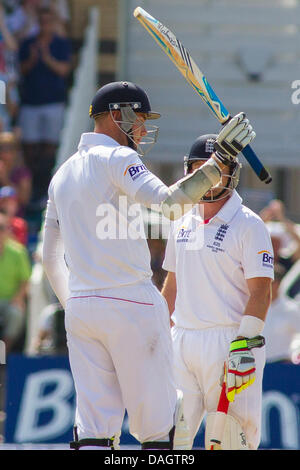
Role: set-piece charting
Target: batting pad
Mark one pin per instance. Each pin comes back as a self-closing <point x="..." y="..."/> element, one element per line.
<point x="233" y="437"/>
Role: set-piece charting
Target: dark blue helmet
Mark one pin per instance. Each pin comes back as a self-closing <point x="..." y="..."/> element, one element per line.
<point x="113" y="96"/>
<point x="201" y="149"/>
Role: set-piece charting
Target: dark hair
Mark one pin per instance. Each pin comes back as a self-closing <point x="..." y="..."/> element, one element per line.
<point x="45" y="11"/>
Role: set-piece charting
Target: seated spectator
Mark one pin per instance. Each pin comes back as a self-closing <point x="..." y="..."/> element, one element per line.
<point x="13" y="171"/>
<point x="51" y="337"/>
<point x="15" y="271"/>
<point x="45" y="62"/>
<point x="9" y="204"/>
<point x="282" y="322"/>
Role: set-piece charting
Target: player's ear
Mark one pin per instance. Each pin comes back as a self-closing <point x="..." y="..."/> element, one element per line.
<point x="116" y="115"/>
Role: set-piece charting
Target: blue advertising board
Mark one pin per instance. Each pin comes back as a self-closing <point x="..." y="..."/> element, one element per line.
<point x="40" y="404"/>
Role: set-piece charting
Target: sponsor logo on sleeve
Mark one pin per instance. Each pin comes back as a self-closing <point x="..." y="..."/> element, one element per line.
<point x="136" y="170"/>
<point x="267" y="258"/>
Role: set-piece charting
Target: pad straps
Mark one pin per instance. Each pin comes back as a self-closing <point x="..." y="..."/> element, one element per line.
<point x="103" y="442"/>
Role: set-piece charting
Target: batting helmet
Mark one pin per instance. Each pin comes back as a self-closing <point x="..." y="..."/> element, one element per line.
<point x="113" y="96"/>
<point x="201" y="150"/>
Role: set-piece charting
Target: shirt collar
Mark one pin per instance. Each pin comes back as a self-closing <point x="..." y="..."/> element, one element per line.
<point x="230" y="208"/>
<point x="91" y="139"/>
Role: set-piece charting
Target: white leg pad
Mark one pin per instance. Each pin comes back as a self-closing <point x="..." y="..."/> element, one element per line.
<point x="233" y="437"/>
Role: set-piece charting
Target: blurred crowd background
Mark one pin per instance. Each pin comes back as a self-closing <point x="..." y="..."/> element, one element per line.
<point x="39" y="45"/>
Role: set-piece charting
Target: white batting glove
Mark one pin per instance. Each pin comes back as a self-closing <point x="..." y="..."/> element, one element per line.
<point x="233" y="138"/>
<point x="241" y="365"/>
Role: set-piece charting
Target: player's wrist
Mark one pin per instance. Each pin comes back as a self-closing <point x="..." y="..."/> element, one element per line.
<point x="250" y="326"/>
<point x="242" y="344"/>
<point x="218" y="162"/>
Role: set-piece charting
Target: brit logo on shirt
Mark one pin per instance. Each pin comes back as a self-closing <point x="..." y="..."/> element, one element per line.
<point x="136" y="170"/>
<point x="222" y="230"/>
<point x="267" y="258"/>
<point x="183" y="235"/>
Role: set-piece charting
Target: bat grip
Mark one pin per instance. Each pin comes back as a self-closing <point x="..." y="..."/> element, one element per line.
<point x="255" y="163"/>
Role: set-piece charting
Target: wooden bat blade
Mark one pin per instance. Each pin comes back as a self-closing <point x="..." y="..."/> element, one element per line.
<point x="193" y="75"/>
<point x="183" y="61"/>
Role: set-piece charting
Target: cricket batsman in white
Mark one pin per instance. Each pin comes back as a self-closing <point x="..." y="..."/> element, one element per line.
<point x="219" y="260"/>
<point x="117" y="322"/>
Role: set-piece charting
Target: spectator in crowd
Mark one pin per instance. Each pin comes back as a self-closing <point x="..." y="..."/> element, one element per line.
<point x="61" y="10"/>
<point x="45" y="62"/>
<point x="282" y="322"/>
<point x="51" y="337"/>
<point x="9" y="98"/>
<point x="9" y="204"/>
<point x="275" y="212"/>
<point x="13" y="172"/>
<point x="15" y="271"/>
<point x="23" y="20"/>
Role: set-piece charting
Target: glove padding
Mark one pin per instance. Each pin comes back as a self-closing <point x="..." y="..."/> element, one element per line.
<point x="233" y="138"/>
<point x="241" y="365"/>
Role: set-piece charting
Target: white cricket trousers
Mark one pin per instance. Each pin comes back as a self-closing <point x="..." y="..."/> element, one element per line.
<point x="120" y="352"/>
<point x="199" y="357"/>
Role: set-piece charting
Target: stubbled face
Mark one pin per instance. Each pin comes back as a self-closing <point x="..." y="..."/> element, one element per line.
<point x="138" y="129"/>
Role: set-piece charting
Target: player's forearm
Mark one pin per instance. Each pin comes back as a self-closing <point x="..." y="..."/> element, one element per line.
<point x="258" y="305"/>
<point x="252" y="322"/>
<point x="260" y="297"/>
<point x="169" y="291"/>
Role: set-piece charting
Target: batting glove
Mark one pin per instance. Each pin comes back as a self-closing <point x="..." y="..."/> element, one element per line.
<point x="241" y="365"/>
<point x="233" y="138"/>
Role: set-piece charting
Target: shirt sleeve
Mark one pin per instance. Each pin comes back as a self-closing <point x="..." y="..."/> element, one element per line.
<point x="169" y="263"/>
<point x="257" y="252"/>
<point x="132" y="177"/>
<point x="51" y="212"/>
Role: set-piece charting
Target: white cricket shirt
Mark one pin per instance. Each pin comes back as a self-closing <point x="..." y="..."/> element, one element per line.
<point x="212" y="262"/>
<point x="103" y="238"/>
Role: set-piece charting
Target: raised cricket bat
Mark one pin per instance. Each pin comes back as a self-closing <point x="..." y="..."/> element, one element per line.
<point x="220" y="418"/>
<point x="193" y="75"/>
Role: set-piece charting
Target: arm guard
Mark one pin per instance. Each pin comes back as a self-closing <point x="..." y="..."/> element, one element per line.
<point x="188" y="190"/>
